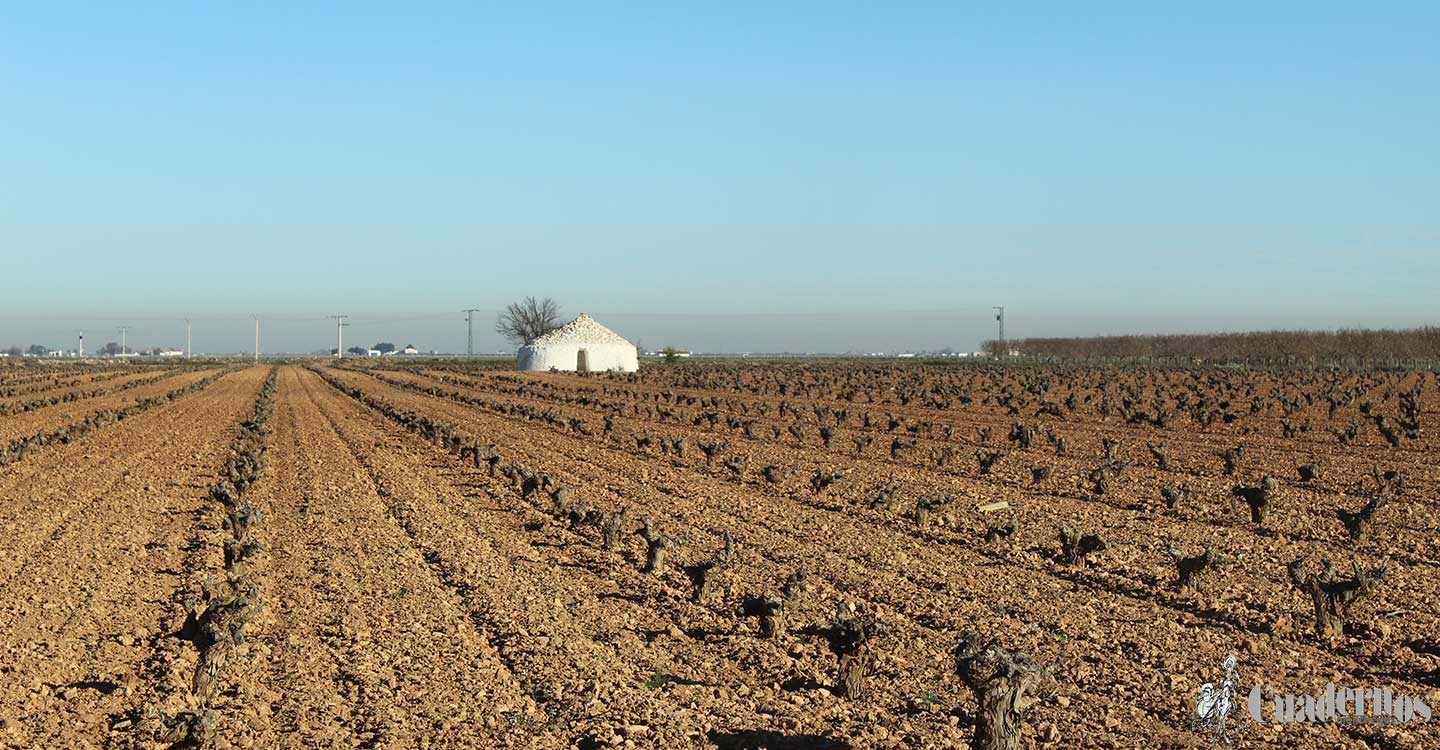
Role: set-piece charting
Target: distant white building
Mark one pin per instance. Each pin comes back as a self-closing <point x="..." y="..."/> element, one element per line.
<point x="581" y="345"/>
<point x="172" y="353"/>
<point x="373" y="353"/>
<point x="409" y="349"/>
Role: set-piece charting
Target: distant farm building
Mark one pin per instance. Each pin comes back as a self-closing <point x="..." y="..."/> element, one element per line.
<point x="581" y="345"/>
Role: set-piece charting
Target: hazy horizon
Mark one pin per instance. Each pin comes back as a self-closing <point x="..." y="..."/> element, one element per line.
<point x="888" y="332"/>
<point x="812" y="177"/>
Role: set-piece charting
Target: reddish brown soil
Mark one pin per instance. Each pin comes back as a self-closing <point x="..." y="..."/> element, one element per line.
<point x="54" y="416"/>
<point x="69" y="381"/>
<point x="413" y="600"/>
<point x="95" y="546"/>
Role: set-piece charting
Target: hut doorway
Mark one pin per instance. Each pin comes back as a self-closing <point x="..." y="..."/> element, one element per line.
<point x="582" y="361"/>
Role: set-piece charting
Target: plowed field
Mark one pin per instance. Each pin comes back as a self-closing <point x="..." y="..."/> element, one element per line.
<point x="424" y="561"/>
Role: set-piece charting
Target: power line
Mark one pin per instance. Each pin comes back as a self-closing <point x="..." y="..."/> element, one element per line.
<point x="1000" y="316"/>
<point x="470" y="330"/>
<point x="409" y="319"/>
<point x="339" y="335"/>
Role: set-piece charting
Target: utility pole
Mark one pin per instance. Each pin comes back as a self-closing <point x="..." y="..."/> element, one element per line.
<point x="187" y="338"/>
<point x="1000" y="316"/>
<point x="257" y="338"/>
<point x="340" y="335"/>
<point x="123" y="329"/>
<point x="82" y="344"/>
<point x="470" y="330"/>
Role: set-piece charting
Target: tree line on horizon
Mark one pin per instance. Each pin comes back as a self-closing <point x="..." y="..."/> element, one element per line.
<point x="110" y="348"/>
<point x="1362" y="346"/>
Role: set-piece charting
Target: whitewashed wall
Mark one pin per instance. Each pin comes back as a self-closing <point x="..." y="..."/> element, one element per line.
<point x="564" y="357"/>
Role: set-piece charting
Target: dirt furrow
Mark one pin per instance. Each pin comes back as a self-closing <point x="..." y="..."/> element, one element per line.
<point x="37" y="493"/>
<point x="360" y="645"/>
<point x="1305" y="525"/>
<point x="597" y="643"/>
<point x="71" y="392"/>
<point x="857" y="552"/>
<point x="60" y="385"/>
<point x="1084" y="427"/>
<point x="846" y="560"/>
<point x="52" y="417"/>
<point x="92" y="594"/>
<point x="1310" y="512"/>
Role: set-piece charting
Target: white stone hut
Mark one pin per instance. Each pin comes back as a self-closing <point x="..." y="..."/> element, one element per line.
<point x="581" y="345"/>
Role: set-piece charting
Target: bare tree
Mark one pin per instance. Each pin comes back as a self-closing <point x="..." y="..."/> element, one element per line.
<point x="527" y="320"/>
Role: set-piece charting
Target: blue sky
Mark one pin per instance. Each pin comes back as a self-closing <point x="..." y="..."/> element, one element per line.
<point x="762" y="176"/>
